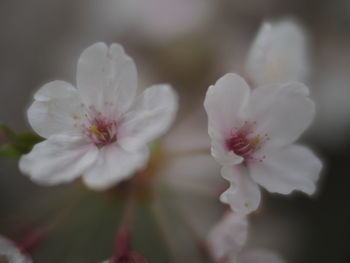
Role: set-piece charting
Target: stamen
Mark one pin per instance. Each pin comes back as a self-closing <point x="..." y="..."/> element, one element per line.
<point x="99" y="129"/>
<point x="94" y="129"/>
<point x="245" y="143"/>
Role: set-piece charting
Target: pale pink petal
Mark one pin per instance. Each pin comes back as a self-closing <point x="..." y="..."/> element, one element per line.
<point x="222" y="155"/>
<point x="282" y="112"/>
<point x="150" y="117"/>
<point x="243" y="195"/>
<point x="258" y="256"/>
<point x="10" y="253"/>
<point x="107" y="77"/>
<point x="228" y="236"/>
<point x="55" y="110"/>
<point x="223" y="104"/>
<point x="58" y="159"/>
<point x="278" y="54"/>
<point x="286" y="169"/>
<point x="113" y="165"/>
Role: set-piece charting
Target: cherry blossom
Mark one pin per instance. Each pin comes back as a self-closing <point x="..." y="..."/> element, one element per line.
<point x="9" y="252"/>
<point x="100" y="129"/>
<point x="227" y="239"/>
<point x="253" y="134"/>
<point x="278" y="54"/>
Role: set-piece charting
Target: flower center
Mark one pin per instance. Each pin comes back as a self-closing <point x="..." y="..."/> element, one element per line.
<point x="100" y="130"/>
<point x="245" y="143"/>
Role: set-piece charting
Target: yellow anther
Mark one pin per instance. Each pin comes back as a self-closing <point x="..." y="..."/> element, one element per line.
<point x="95" y="130"/>
<point x="255" y="140"/>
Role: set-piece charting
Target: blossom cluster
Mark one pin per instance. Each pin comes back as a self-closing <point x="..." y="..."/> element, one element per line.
<point x="100" y="131"/>
<point x="253" y="128"/>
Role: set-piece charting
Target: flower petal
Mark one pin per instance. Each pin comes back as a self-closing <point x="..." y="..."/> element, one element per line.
<point x="282" y="112"/>
<point x="259" y="256"/>
<point x="149" y="118"/>
<point x="107" y="76"/>
<point x="278" y="54"/>
<point x="286" y="169"/>
<point x="55" y="109"/>
<point x="223" y="156"/>
<point x="59" y="159"/>
<point x="223" y="103"/>
<point x="114" y="165"/>
<point x="10" y="253"/>
<point x="228" y="236"/>
<point x="243" y="195"/>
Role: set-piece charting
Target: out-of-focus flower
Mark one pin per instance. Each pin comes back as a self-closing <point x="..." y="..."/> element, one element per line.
<point x="226" y="243"/>
<point x="228" y="236"/>
<point x="252" y="135"/>
<point x="99" y="129"/>
<point x="278" y="54"/>
<point x="9" y="252"/>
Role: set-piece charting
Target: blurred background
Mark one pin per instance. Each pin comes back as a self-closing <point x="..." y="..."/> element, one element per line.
<point x="190" y="44"/>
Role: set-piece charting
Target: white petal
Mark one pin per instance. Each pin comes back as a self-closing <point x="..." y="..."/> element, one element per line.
<point x="223" y="103"/>
<point x="107" y="76"/>
<point x="243" y="195"/>
<point x="228" y="236"/>
<point x="278" y="54"/>
<point x="150" y="117"/>
<point x="55" y="109"/>
<point x="10" y="253"/>
<point x="223" y="156"/>
<point x="286" y="169"/>
<point x="282" y="112"/>
<point x="259" y="256"/>
<point x="114" y="165"/>
<point x="59" y="159"/>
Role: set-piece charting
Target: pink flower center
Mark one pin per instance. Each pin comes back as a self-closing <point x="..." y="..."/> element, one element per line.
<point x="245" y="143"/>
<point x="99" y="129"/>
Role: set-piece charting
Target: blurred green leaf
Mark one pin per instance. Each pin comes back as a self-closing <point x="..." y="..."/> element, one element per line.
<point x="9" y="151"/>
<point x="16" y="144"/>
<point x="7" y="132"/>
<point x="26" y="140"/>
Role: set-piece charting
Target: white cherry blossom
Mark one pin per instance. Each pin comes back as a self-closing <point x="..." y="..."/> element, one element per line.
<point x="227" y="239"/>
<point x="228" y="236"/>
<point x="278" y="54"/>
<point x="100" y="129"/>
<point x="253" y="135"/>
<point x="10" y="253"/>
